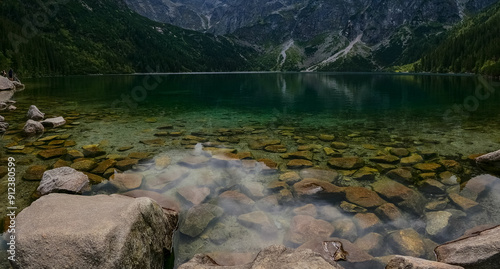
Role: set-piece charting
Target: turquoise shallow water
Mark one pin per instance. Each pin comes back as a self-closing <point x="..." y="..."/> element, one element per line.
<point x="445" y="117"/>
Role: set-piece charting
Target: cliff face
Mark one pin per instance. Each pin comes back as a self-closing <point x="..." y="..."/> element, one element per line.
<point x="310" y="32"/>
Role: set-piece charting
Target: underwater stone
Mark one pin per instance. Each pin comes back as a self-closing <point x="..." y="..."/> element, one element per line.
<point x="126" y="181"/>
<point x="259" y="221"/>
<point x="352" y="208"/>
<point x="63" y="179"/>
<point x="126" y="164"/>
<point x="407" y="242"/>
<point x="367" y="222"/>
<point x="303" y="228"/>
<point x="308" y="209"/>
<point x="339" y="145"/>
<point x="490" y="161"/>
<point x="363" y="197"/>
<point x="348" y="163"/>
<point x="198" y="218"/>
<point x="305" y="155"/>
<point x="354" y="256"/>
<point x="35" y="172"/>
<point x="193" y="194"/>
<point x="52" y="153"/>
<point x="35" y="114"/>
<point x="389" y="159"/>
<point x="390" y="213"/>
<point x="371" y="243"/>
<point x="92" y="151"/>
<point x="345" y="228"/>
<point x="326" y="137"/>
<point x="437" y="223"/>
<point x="411" y="160"/>
<point x="327" y="175"/>
<point x="400" y="174"/>
<point x="428" y="167"/>
<point x="312" y="186"/>
<point x="84" y="165"/>
<point x="167" y="204"/>
<point x="103" y="166"/>
<point x="400" y="152"/>
<point x="299" y="164"/>
<point x="365" y="173"/>
<point x="432" y="186"/>
<point x="462" y="202"/>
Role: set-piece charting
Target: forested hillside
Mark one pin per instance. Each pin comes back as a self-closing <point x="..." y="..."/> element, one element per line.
<point x="472" y="46"/>
<point x="105" y="36"/>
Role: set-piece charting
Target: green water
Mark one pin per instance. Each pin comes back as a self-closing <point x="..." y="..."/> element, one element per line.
<point x="450" y="116"/>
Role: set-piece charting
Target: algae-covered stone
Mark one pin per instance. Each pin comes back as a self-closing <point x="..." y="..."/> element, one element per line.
<point x="35" y="172"/>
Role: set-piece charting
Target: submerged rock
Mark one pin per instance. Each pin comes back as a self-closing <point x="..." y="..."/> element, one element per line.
<point x="259" y="221"/>
<point x="407" y="242"/>
<point x="136" y="230"/>
<point x="479" y="251"/>
<point x="198" y="218"/>
<point x="363" y="197"/>
<point x="63" y="179"/>
<point x="348" y="163"/>
<point x="34" y="113"/>
<point x="303" y="228"/>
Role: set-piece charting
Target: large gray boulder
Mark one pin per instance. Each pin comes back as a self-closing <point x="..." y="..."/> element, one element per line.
<point x="275" y="256"/>
<point x="33" y="128"/>
<point x="34" y="113"/>
<point x="73" y="231"/>
<point x="490" y="162"/>
<point x="479" y="250"/>
<point x="407" y="262"/>
<point x="63" y="179"/>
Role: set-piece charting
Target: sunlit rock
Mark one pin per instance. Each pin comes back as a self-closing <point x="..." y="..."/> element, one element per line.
<point x="136" y="230"/>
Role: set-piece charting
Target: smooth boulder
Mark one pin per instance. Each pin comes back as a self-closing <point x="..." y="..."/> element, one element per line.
<point x="478" y="251"/>
<point x="490" y="162"/>
<point x="54" y="122"/>
<point x="72" y="231"/>
<point x="408" y="262"/>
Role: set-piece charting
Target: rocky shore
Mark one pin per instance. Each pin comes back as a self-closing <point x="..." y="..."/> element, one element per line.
<point x="248" y="197"/>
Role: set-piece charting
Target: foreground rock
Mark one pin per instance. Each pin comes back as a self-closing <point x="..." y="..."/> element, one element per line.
<point x="480" y="250"/>
<point x="398" y="262"/>
<point x="276" y="257"/>
<point x="63" y="179"/>
<point x="490" y="162"/>
<point x="123" y="233"/>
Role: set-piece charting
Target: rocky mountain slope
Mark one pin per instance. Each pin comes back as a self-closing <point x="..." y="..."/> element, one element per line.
<point x="319" y="35"/>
